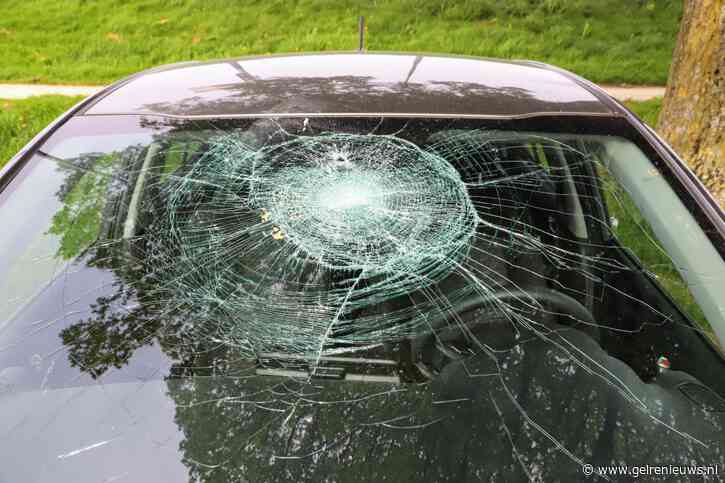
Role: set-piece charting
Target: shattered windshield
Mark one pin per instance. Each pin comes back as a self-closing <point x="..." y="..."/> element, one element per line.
<point x="354" y="300"/>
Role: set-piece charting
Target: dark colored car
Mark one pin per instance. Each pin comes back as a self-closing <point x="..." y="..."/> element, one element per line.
<point x="357" y="267"/>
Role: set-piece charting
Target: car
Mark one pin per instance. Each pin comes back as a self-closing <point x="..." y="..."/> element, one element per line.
<point x="358" y="267"/>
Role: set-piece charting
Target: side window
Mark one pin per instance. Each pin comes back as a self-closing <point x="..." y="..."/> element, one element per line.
<point x="634" y="232"/>
<point x="648" y="219"/>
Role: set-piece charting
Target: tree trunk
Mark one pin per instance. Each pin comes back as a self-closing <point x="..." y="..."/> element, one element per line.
<point x="693" y="111"/>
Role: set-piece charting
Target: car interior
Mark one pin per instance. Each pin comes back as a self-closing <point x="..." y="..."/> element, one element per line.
<point x="549" y="190"/>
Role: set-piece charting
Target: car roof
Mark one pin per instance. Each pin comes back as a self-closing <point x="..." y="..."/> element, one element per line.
<point x="393" y="84"/>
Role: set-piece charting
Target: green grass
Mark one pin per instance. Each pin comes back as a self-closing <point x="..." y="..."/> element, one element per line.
<point x="20" y="120"/>
<point x="85" y="41"/>
<point x="648" y="111"/>
<point x="635" y="233"/>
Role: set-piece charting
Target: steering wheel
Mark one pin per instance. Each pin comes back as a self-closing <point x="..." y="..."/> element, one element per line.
<point x="433" y="351"/>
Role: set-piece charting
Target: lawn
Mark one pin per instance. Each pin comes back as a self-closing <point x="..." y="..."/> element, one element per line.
<point x="648" y="111"/>
<point x="79" y="41"/>
<point x="20" y="120"/>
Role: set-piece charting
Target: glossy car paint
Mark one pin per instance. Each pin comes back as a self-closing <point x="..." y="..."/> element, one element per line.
<point x="351" y="84"/>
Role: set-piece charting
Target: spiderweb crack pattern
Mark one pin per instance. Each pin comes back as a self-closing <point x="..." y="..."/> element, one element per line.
<point x="352" y="236"/>
<point x="326" y="227"/>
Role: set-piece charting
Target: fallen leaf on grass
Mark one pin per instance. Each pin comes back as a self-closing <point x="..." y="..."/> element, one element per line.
<point x="114" y="37"/>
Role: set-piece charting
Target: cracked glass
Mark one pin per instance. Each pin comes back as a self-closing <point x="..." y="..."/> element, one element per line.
<point x="330" y="299"/>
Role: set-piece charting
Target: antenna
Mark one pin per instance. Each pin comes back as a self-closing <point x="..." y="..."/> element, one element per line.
<point x="361" y="32"/>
